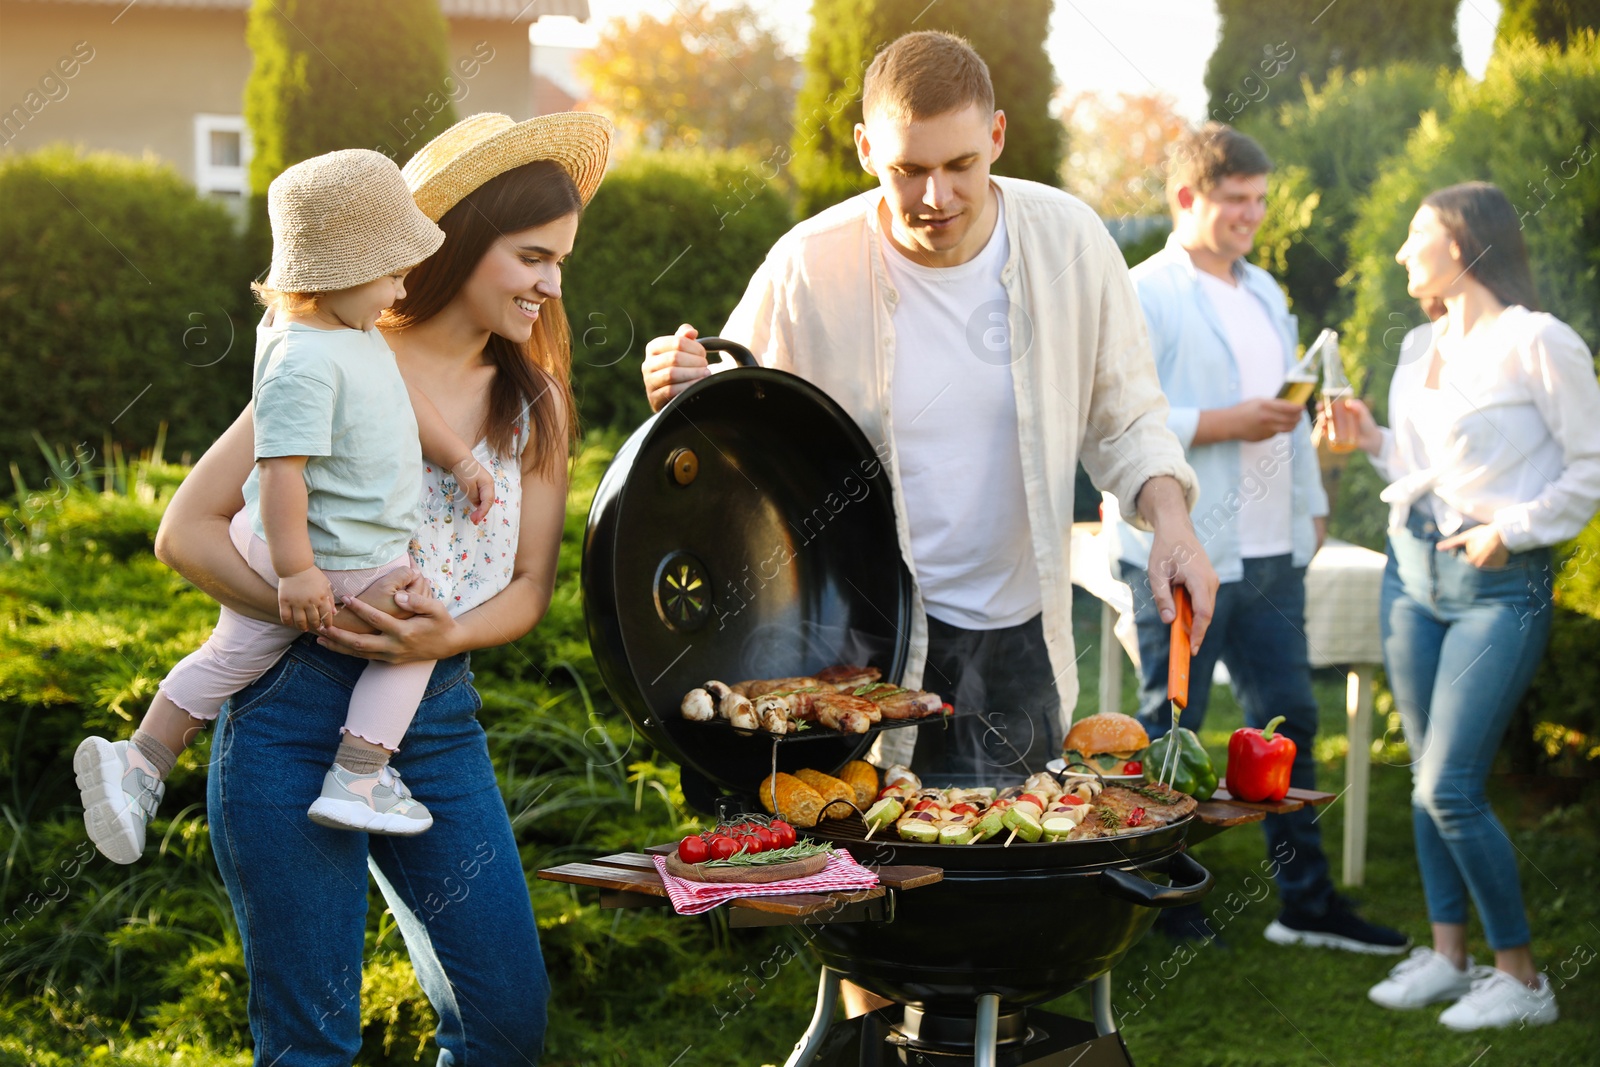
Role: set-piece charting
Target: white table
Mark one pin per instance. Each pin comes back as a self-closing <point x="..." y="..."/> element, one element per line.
<point x="1343" y="585"/>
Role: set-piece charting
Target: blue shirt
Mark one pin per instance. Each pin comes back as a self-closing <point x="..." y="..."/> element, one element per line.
<point x="1198" y="372"/>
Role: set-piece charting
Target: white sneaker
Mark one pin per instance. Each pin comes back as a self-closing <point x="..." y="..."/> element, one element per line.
<point x="1424" y="977"/>
<point x="1499" y="1000"/>
<point x="378" y="803"/>
<point x="120" y="791"/>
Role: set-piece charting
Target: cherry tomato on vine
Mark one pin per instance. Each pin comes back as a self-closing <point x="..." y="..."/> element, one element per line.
<point x="693" y="849"/>
<point x="722" y="846"/>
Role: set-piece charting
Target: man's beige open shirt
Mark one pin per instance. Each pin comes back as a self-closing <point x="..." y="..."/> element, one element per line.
<point x="822" y="306"/>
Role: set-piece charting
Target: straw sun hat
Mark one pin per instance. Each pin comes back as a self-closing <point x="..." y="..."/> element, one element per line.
<point x="344" y="219"/>
<point x="484" y="146"/>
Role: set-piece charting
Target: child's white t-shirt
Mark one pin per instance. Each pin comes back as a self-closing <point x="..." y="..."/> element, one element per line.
<point x="336" y="397"/>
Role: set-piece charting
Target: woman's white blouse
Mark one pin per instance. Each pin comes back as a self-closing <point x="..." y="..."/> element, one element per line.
<point x="468" y="564"/>
<point x="1511" y="436"/>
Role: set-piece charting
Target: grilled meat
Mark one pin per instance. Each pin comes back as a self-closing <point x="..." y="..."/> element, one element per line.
<point x="847" y="678"/>
<point x="845" y="713"/>
<point x="1114" y="811"/>
<point x="898" y="703"/>
<point x="760" y="687"/>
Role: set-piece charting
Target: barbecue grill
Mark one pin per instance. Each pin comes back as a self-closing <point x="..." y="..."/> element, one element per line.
<point x="748" y="531"/>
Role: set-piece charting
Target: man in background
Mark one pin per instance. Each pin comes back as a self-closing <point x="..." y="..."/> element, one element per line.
<point x="1224" y="340"/>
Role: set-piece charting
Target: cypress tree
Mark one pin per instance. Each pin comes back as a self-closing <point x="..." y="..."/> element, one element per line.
<point x="331" y="74"/>
<point x="1266" y="47"/>
<point x="846" y="34"/>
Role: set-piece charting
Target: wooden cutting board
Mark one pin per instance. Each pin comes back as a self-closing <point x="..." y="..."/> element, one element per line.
<point x="771" y="872"/>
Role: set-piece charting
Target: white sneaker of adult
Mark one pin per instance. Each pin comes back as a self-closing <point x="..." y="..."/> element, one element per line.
<point x="1424" y="977"/>
<point x="1499" y="1000"/>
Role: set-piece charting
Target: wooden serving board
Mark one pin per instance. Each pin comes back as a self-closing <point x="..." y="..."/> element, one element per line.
<point x="772" y="872"/>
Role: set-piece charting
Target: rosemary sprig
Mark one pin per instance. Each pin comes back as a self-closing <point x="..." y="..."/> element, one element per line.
<point x="799" y="851"/>
<point x="1150" y="792"/>
<point x="1109" y="818"/>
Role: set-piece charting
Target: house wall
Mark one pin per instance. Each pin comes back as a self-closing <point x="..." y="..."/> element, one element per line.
<point x="139" y="81"/>
<point x="504" y="83"/>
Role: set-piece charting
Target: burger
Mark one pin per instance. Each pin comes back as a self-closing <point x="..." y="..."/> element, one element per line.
<point x="1110" y="742"/>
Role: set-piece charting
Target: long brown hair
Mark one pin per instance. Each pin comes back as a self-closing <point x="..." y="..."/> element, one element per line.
<point x="1484" y="225"/>
<point x="536" y="376"/>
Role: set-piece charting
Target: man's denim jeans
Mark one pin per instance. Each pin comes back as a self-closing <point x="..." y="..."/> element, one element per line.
<point x="1461" y="644"/>
<point x="1258" y="631"/>
<point x="299" y="890"/>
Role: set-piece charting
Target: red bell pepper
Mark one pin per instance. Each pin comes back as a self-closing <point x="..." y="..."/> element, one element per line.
<point x="1259" y="763"/>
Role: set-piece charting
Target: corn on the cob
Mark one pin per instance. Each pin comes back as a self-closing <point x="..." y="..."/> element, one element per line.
<point x="832" y="789"/>
<point x="863" y="778"/>
<point x="795" y="801"/>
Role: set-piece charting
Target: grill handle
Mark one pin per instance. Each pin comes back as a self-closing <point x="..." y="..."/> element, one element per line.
<point x="1129" y="886"/>
<point x="739" y="352"/>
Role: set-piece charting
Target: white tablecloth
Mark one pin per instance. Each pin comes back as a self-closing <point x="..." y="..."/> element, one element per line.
<point x="1342" y="588"/>
<point x="1343" y="583"/>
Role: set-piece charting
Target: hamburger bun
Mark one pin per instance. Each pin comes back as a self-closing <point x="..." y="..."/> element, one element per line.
<point x="1109" y="733"/>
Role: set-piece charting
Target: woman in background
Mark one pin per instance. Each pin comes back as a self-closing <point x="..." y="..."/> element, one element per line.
<point x="1493" y="455"/>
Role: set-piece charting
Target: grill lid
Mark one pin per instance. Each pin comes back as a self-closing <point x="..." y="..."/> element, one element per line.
<point x="745" y="531"/>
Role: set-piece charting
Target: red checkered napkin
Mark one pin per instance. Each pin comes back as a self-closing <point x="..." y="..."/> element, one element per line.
<point x="692" y="898"/>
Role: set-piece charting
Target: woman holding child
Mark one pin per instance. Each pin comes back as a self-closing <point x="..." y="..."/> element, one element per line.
<point x="479" y="333"/>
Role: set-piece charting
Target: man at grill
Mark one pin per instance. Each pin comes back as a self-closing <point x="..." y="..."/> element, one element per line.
<point x="1224" y="341"/>
<point x="984" y="334"/>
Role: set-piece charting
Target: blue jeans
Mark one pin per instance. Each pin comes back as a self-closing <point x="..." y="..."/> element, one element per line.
<point x="1460" y="645"/>
<point x="299" y="890"/>
<point x="1258" y="631"/>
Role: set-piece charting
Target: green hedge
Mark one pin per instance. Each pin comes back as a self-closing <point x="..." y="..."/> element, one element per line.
<point x="1328" y="149"/>
<point x="670" y="238"/>
<point x="124" y="304"/>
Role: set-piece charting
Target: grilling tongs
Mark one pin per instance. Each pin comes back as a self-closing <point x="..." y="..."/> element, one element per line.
<point x="1177" y="675"/>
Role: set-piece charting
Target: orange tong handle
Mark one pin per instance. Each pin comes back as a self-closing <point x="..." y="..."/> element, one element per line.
<point x="1178" y="661"/>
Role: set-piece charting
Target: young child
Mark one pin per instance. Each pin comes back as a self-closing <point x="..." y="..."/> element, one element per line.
<point x="330" y="507"/>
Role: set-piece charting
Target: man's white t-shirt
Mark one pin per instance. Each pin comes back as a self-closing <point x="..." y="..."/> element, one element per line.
<point x="955" y="428"/>
<point x="1266" y="480"/>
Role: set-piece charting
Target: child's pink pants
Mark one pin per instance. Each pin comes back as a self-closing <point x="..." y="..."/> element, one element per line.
<point x="242" y="649"/>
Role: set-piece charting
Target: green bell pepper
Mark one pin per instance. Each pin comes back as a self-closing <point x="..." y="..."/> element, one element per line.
<point x="1193" y="773"/>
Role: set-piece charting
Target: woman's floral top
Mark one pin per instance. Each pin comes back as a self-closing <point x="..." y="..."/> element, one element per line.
<point x="468" y="564"/>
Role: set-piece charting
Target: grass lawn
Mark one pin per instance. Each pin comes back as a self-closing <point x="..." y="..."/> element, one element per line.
<point x="1255" y="1003"/>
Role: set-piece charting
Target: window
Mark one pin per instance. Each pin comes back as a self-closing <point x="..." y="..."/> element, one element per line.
<point x="221" y="155"/>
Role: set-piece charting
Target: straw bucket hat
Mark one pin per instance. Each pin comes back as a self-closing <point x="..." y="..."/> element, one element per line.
<point x="344" y="219"/>
<point x="484" y="146"/>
